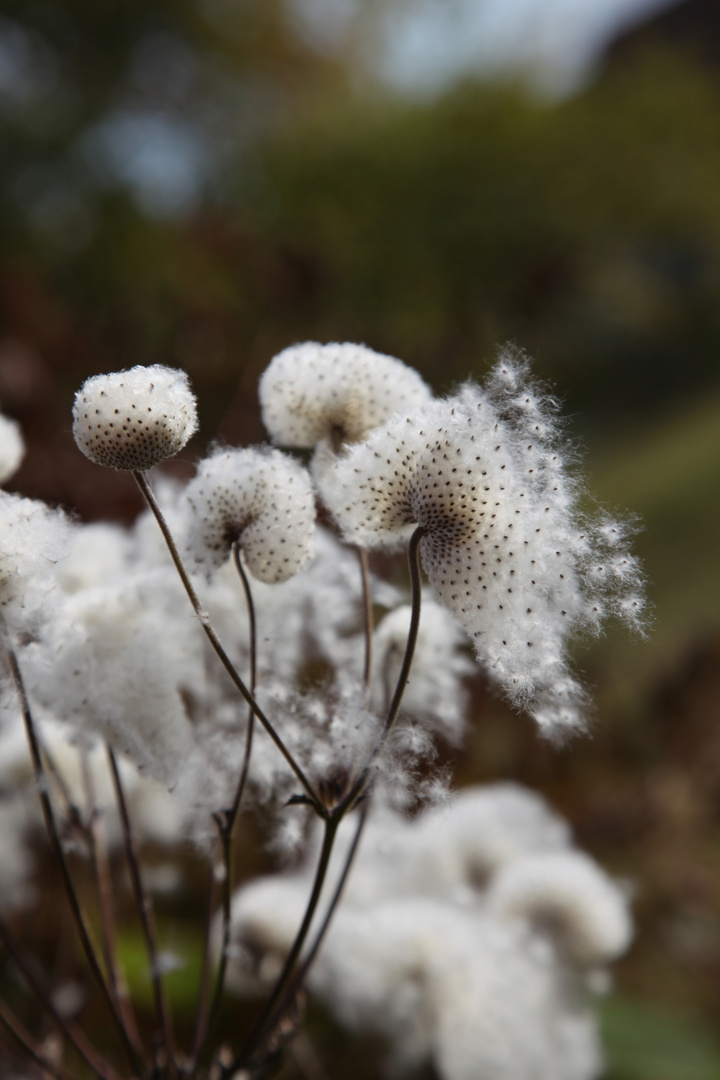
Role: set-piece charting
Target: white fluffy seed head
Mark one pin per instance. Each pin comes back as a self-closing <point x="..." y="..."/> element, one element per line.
<point x="134" y="419"/>
<point x="567" y="896"/>
<point x="506" y="548"/>
<point x="260" y="498"/>
<point x="12" y="448"/>
<point x="484" y="982"/>
<point x="335" y="392"/>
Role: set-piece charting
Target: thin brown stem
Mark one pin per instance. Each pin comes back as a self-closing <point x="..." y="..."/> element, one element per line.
<point x="145" y="911"/>
<point x="261" y="1027"/>
<point x="212" y="637"/>
<point x="204" y="996"/>
<point x="54" y="836"/>
<point x="27" y="1068"/>
<point x="72" y="810"/>
<point x="103" y="883"/>
<point x="332" y="906"/>
<point x="300" y="976"/>
<point x="225" y="822"/>
<point x="11" y="1055"/>
<point x="360" y="784"/>
<point x="252" y="635"/>
<point x="26" y="1041"/>
<point x="367" y="620"/>
<point x="208" y="1012"/>
<point x="416" y="597"/>
<point x="252" y="621"/>
<point x="101" y="1068"/>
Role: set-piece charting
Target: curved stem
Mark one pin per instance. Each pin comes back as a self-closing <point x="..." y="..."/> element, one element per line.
<point x="252" y="628"/>
<point x="101" y="1068"/>
<point x="145" y="911"/>
<point x="226" y="823"/>
<point x="53" y="834"/>
<point x="25" y="1039"/>
<point x="367" y="620"/>
<point x="52" y="771"/>
<point x="260" y="1027"/>
<point x="416" y="597"/>
<point x="101" y="872"/>
<point x="203" y="1001"/>
<point x="212" y="637"/>
<point x="301" y="974"/>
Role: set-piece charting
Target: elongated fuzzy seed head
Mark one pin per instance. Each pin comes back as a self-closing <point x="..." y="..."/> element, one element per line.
<point x="134" y="419"/>
<point x="506" y="547"/>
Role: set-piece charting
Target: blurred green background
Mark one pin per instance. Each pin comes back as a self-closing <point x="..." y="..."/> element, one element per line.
<point x="203" y="183"/>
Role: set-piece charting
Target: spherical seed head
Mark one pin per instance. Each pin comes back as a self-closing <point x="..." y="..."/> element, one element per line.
<point x="134" y="419"/>
<point x="260" y="499"/>
<point x="311" y="392"/>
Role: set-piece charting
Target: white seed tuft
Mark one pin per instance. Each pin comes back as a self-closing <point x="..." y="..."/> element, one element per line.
<point x="260" y="498"/>
<point x="450" y="969"/>
<point x="506" y="548"/>
<point x="566" y="896"/>
<point x="33" y="539"/>
<point x="134" y="419"/>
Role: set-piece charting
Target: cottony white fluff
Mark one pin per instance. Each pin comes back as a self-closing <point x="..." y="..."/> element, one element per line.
<point x="489" y="827"/>
<point x="134" y="419"/>
<point x="434" y="694"/>
<point x="445" y="966"/>
<point x="436" y="980"/>
<point x="117" y="661"/>
<point x="506" y="548"/>
<point x="12" y="448"/>
<point x="333" y="737"/>
<point x="100" y="553"/>
<point x="504" y="1011"/>
<point x="157" y="815"/>
<point x="566" y="895"/>
<point x="259" y="498"/>
<point x="334" y="393"/>
<point x="34" y="539"/>
<point x="467" y="841"/>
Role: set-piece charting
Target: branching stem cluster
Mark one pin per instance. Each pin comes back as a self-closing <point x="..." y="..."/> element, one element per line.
<point x="164" y="1058"/>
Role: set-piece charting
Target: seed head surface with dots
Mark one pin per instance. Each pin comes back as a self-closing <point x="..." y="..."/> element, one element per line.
<point x="506" y="548"/>
<point x="260" y="498"/>
<point x="134" y="419"/>
<point x="311" y="392"/>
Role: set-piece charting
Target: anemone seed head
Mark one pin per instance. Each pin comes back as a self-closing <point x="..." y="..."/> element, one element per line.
<point x="506" y="547"/>
<point x="134" y="419"/>
<point x="335" y="392"/>
<point x="259" y="498"/>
